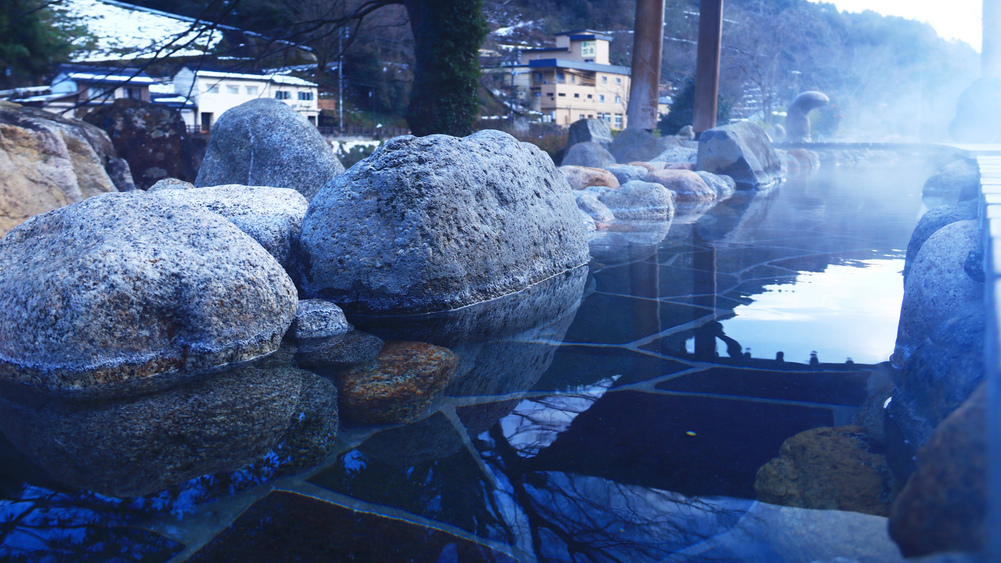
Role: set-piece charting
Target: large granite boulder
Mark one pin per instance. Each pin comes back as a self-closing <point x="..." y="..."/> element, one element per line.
<point x="264" y="142"/>
<point x="724" y="186"/>
<point x="124" y="288"/>
<point x="828" y="468"/>
<point x="132" y="446"/>
<point x="677" y="155"/>
<point x="438" y="222"/>
<point x="640" y="201"/>
<point x="48" y="161"/>
<point x="938" y="284"/>
<point x="687" y="185"/>
<point x="152" y="138"/>
<point x="957" y="181"/>
<point x="943" y="506"/>
<point x="272" y="216"/>
<point x="589" y="131"/>
<point x="626" y="172"/>
<point x="742" y="151"/>
<point x="580" y="177"/>
<point x="633" y="144"/>
<point x="933" y="220"/>
<point x="588" y="154"/>
<point x="797" y="124"/>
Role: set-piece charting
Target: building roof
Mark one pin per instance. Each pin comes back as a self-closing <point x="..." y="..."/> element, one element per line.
<point x="276" y="78"/>
<point x="577" y="65"/>
<point x="585" y="34"/>
<point x="119" y="75"/>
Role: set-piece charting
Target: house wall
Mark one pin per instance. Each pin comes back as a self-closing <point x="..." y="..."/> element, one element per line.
<point x="565" y="95"/>
<point x="214" y="95"/>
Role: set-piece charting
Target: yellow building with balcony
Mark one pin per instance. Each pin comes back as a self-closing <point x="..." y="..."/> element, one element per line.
<point x="574" y="80"/>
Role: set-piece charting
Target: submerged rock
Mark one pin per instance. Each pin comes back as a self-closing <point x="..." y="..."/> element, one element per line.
<point x="742" y="151"/>
<point x="123" y="287"/>
<point x="316" y="318"/>
<point x="724" y="186"/>
<point x="828" y="468"/>
<point x="588" y="154"/>
<point x="640" y="201"/>
<point x="434" y="223"/>
<point x="272" y="216"/>
<point x="332" y="353"/>
<point x="398" y="385"/>
<point x="48" y="161"/>
<point x="580" y="177"/>
<point x="264" y="142"/>
<point x="221" y="422"/>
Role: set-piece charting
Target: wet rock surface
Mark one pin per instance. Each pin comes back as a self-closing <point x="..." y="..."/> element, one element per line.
<point x="580" y="177"/>
<point x="686" y="185"/>
<point x="333" y="353"/>
<point x="316" y="318"/>
<point x="742" y="151"/>
<point x="933" y="220"/>
<point x="264" y="142"/>
<point x="121" y="287"/>
<point x="398" y="384"/>
<point x="438" y="222"/>
<point x="48" y="161"/>
<point x="640" y="201"/>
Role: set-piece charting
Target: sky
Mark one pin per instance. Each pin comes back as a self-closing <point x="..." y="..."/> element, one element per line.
<point x="954" y="19"/>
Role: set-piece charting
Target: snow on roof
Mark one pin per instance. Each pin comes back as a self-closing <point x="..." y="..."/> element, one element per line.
<point x="161" y="88"/>
<point x="109" y="76"/>
<point x="276" y="78"/>
<point x="124" y="31"/>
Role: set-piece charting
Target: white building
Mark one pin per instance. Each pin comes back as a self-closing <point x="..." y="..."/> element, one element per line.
<point x="78" y="89"/>
<point x="213" y="92"/>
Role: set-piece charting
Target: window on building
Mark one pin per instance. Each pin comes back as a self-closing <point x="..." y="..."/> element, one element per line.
<point x="232" y="89"/>
<point x="618" y="121"/>
<point x="562" y="94"/>
<point x="581" y="116"/>
<point x="618" y="80"/>
<point x="618" y="99"/>
<point x="251" y="90"/>
<point x="604" y="80"/>
<point x="539" y="94"/>
<point x="305" y="96"/>
<point x="576" y="95"/>
<point x="97" y="93"/>
<point x="601" y="98"/>
<point x="283" y="95"/>
<point x="560" y="77"/>
<point x="550" y="94"/>
<point x="590" y="97"/>
<point x="134" y="93"/>
<point x="213" y="89"/>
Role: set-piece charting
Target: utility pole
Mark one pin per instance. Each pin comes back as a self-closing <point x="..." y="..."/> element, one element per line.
<point x="644" y="86"/>
<point x="707" y="64"/>
<point x="340" y="79"/>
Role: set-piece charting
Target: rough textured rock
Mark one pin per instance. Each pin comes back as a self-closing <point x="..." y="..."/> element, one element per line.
<point x="937" y="285"/>
<point x="687" y="185"/>
<point x="334" y="353"/>
<point x="957" y="181"/>
<point x="943" y="506"/>
<point x="141" y="445"/>
<point x="438" y="222"/>
<point x="589" y="131"/>
<point x="724" y="186"/>
<point x="743" y="152"/>
<point x="398" y="385"/>
<point x="941" y="373"/>
<point x="677" y="155"/>
<point x="828" y="468"/>
<point x="48" y="161"/>
<point x="933" y="220"/>
<point x="316" y="318"/>
<point x="272" y="216"/>
<point x="589" y="204"/>
<point x="626" y="172"/>
<point x="123" y="287"/>
<point x="633" y="144"/>
<point x="264" y="142"/>
<point x="588" y="154"/>
<point x="797" y="124"/>
<point x="580" y="177"/>
<point x="152" y="138"/>
<point x="640" y="201"/>
<point x="170" y="184"/>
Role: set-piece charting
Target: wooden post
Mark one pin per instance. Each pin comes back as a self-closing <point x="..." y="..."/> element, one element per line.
<point x="990" y="50"/>
<point x="707" y="64"/>
<point x="648" y="41"/>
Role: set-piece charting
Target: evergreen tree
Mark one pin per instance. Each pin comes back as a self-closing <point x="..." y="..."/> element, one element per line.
<point x="32" y="42"/>
<point x="683" y="110"/>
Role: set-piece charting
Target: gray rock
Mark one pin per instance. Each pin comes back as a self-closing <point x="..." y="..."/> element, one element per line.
<point x="937" y="285"/>
<point x="589" y="204"/>
<point x="589" y="131"/>
<point x="170" y="184"/>
<point x="669" y="142"/>
<point x="592" y="155"/>
<point x="135" y="446"/>
<point x="264" y="142"/>
<point x="677" y="154"/>
<point x="933" y="220"/>
<point x="797" y="127"/>
<point x="724" y="186"/>
<point x="316" y="318"/>
<point x="334" y="353"/>
<point x="634" y="145"/>
<point x="438" y="222"/>
<point x="626" y="172"/>
<point x="957" y="181"/>
<point x="124" y="287"/>
<point x="640" y="201"/>
<point x="272" y="216"/>
<point x="743" y="152"/>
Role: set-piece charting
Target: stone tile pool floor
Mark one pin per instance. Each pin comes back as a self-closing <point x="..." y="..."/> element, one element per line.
<point x="617" y="413"/>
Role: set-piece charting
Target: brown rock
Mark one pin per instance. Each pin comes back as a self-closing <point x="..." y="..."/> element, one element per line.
<point x="807" y="160"/>
<point x="943" y="506"/>
<point x="48" y="161"/>
<point x="828" y="468"/>
<point x="688" y="186"/>
<point x="397" y="385"/>
<point x="680" y="166"/>
<point x="580" y="177"/>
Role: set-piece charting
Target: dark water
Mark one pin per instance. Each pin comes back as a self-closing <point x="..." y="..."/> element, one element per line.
<point x="616" y="413"/>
